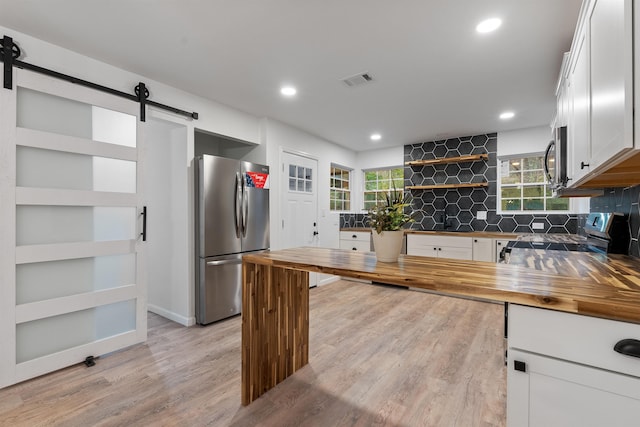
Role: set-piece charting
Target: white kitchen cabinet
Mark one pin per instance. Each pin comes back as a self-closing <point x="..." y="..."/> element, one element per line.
<point x="563" y="370"/>
<point x="578" y="152"/>
<point x="611" y="79"/>
<point x="483" y="249"/>
<point x="440" y="246"/>
<point x="599" y="78"/>
<point x="355" y="240"/>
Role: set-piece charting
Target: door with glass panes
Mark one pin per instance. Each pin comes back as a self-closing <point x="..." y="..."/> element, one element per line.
<point x="71" y="282"/>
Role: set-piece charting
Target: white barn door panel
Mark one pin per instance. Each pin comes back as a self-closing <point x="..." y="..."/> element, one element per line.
<point x="72" y="281"/>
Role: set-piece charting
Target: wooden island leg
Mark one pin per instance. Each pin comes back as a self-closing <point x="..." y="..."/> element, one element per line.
<point x="275" y="326"/>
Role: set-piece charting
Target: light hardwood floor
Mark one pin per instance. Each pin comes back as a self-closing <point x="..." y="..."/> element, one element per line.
<point x="379" y="356"/>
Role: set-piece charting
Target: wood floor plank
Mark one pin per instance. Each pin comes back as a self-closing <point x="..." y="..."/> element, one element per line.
<point x="379" y="356"/>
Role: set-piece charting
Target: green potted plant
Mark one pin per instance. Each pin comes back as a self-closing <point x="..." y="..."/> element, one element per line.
<point x="387" y="220"/>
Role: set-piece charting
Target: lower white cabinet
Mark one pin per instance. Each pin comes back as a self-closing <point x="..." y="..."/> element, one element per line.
<point x="483" y="249"/>
<point x="440" y="246"/>
<point x="355" y="240"/>
<point x="562" y="370"/>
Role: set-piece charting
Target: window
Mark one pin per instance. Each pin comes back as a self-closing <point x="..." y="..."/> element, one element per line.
<point x="379" y="183"/>
<point x="523" y="187"/>
<point x="340" y="189"/>
<point x="300" y="179"/>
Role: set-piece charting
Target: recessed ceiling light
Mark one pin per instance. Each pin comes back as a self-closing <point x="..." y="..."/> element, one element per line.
<point x="507" y="115"/>
<point x="489" y="25"/>
<point x="288" y="90"/>
<point x="376" y="137"/>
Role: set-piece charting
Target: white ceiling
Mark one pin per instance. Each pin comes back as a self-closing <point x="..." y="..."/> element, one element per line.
<point x="434" y="76"/>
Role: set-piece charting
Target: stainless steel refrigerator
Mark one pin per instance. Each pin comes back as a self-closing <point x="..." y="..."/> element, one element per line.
<point x="232" y="218"/>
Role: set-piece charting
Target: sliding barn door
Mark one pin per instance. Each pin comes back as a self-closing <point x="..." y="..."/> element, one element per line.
<point x="71" y="282"/>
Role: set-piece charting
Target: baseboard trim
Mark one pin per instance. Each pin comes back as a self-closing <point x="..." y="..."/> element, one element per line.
<point x="175" y="317"/>
<point x="328" y="280"/>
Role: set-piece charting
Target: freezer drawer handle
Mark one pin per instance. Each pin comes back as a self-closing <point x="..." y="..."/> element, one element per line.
<point x="225" y="261"/>
<point x="628" y="347"/>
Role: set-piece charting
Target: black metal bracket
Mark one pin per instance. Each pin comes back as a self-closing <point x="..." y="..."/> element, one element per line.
<point x="90" y="361"/>
<point x="143" y="93"/>
<point x="10" y="52"/>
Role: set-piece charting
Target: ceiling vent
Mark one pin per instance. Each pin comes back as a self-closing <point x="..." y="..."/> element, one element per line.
<point x="358" y="79"/>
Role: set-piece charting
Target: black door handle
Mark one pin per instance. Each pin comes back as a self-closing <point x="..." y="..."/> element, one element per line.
<point x="628" y="347"/>
<point x="315" y="233"/>
<point x="144" y="223"/>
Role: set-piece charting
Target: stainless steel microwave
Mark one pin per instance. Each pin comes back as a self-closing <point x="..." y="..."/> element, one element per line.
<point x="555" y="159"/>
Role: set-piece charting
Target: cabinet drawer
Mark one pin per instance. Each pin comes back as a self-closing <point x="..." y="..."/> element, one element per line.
<point x="355" y="235"/>
<point x="582" y="339"/>
<point x="355" y="245"/>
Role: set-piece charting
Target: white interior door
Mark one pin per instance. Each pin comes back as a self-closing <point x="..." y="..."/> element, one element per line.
<point x="299" y="203"/>
<point x="71" y="282"/>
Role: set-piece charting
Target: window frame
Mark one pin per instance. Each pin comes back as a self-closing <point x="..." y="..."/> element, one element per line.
<point x="499" y="186"/>
<point x="387" y="191"/>
<point x="348" y="191"/>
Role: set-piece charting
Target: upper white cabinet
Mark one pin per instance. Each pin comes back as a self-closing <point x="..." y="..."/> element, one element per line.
<point x="611" y="76"/>
<point x="578" y="111"/>
<point x="596" y="97"/>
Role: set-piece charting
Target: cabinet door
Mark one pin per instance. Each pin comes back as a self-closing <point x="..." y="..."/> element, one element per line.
<point x="455" y="253"/>
<point x="611" y="70"/>
<point x="483" y="250"/>
<point x="551" y="392"/>
<point x="421" y="245"/>
<point x="578" y="125"/>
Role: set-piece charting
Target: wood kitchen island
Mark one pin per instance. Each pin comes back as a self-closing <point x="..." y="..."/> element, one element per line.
<point x="275" y="316"/>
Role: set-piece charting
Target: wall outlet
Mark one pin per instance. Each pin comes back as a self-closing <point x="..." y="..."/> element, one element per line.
<point x="537" y="226"/>
<point x="481" y="215"/>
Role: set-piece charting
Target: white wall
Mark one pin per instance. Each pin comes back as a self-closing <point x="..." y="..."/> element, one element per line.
<point x="213" y="116"/>
<point x="278" y="136"/>
<point x="375" y="159"/>
<point x="524" y="141"/>
<point x="169" y="252"/>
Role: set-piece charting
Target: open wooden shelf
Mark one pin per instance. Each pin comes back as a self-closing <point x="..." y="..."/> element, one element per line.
<point x="434" y="186"/>
<point x="459" y="159"/>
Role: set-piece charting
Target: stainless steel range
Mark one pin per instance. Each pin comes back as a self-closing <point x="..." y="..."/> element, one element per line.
<point x="605" y="233"/>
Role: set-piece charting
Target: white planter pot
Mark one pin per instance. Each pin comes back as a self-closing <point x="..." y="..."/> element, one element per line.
<point x="387" y="245"/>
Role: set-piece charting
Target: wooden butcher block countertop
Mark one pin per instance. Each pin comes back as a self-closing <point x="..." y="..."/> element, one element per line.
<point x="610" y="289"/>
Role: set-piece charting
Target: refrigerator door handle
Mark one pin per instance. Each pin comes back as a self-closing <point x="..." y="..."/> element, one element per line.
<point x="245" y="207"/>
<point x="237" y="206"/>
<point x="225" y="261"/>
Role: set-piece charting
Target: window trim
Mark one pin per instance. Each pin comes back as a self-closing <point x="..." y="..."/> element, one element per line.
<point x="572" y="206"/>
<point x="381" y="168"/>
<point x="350" y="190"/>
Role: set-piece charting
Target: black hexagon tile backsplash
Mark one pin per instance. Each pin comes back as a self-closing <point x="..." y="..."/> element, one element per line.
<point x="461" y="205"/>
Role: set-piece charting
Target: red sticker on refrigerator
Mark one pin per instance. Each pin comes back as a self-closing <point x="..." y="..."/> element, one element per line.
<point x="257" y="180"/>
